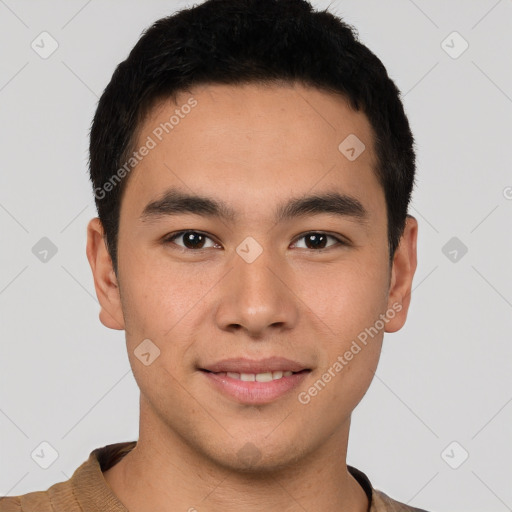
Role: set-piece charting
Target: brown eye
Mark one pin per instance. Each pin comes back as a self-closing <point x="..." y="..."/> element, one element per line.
<point x="316" y="240"/>
<point x="191" y="240"/>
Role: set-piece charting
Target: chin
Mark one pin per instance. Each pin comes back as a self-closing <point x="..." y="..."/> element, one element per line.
<point x="257" y="456"/>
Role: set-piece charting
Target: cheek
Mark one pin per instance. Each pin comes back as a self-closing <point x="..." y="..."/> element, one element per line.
<point x="157" y="297"/>
<point x="344" y="298"/>
<point x="345" y="306"/>
<point x="161" y="303"/>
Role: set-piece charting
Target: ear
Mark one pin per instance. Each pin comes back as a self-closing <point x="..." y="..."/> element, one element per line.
<point x="105" y="280"/>
<point x="402" y="273"/>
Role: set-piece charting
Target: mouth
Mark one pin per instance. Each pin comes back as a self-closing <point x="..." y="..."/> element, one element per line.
<point x="255" y="382"/>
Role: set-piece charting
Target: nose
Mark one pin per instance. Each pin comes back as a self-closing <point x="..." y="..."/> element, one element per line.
<point x="255" y="298"/>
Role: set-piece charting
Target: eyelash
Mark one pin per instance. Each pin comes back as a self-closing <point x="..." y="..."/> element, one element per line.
<point x="173" y="236"/>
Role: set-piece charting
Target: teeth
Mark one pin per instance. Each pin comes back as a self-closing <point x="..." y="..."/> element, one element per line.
<point x="264" y="377"/>
<point x="258" y="377"/>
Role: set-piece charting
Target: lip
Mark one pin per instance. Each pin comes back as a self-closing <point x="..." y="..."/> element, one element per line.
<point x="253" y="392"/>
<point x="245" y="365"/>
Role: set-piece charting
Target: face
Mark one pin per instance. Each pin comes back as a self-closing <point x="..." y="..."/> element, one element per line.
<point x="251" y="242"/>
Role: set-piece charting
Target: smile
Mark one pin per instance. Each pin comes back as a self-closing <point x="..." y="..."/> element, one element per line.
<point x="255" y="388"/>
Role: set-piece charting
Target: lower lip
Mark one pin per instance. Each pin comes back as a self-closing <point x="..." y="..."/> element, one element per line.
<point x="253" y="392"/>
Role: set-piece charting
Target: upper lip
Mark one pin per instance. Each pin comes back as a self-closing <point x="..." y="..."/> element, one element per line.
<point x="244" y="365"/>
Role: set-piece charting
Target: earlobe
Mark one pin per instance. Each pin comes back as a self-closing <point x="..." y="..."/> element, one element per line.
<point x="105" y="281"/>
<point x="402" y="274"/>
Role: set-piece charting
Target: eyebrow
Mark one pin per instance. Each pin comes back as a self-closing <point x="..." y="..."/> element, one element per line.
<point x="176" y="202"/>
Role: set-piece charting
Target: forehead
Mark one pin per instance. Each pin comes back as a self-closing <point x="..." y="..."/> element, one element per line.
<point x="250" y="144"/>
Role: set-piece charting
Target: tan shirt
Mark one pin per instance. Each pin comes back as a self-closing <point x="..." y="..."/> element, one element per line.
<point x="87" y="490"/>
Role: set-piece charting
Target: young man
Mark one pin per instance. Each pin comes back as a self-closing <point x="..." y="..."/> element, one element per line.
<point x="252" y="167"/>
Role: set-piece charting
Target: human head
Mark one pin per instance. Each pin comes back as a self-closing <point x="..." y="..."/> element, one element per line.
<point x="258" y="41"/>
<point x="261" y="159"/>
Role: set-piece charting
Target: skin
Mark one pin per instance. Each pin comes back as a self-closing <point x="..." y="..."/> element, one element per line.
<point x="252" y="147"/>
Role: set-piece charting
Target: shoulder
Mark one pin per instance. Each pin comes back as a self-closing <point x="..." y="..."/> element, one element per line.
<point x="51" y="500"/>
<point x="10" y="504"/>
<point x="86" y="490"/>
<point x="32" y="501"/>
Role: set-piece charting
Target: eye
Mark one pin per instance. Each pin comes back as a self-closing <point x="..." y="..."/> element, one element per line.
<point x="191" y="240"/>
<point x="318" y="240"/>
<point x="196" y="240"/>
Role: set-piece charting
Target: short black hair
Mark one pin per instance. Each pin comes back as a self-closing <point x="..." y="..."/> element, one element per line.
<point x="237" y="42"/>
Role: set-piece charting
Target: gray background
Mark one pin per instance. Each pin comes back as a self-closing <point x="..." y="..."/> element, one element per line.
<point x="65" y="379"/>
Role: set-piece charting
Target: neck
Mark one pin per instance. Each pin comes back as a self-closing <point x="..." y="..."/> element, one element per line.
<point x="165" y="473"/>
